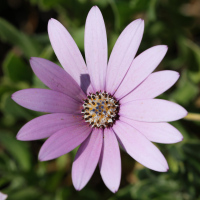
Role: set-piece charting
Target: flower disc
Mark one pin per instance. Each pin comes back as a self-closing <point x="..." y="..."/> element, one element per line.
<point x="100" y="109"/>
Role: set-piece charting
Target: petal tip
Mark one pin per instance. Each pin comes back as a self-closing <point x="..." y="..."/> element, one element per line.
<point x="142" y="25"/>
<point x="161" y="47"/>
<point x="164" y="47"/>
<point x="44" y="156"/>
<point x="51" y="21"/>
<point x="179" y="139"/>
<point x="161" y="169"/>
<point x="94" y="8"/>
<point x="13" y="96"/>
<point x="40" y="158"/>
<point x="177" y="73"/>
<point x="141" y="22"/>
<point x="139" y="19"/>
<point x="176" y="76"/>
<point x="113" y="190"/>
<point x="31" y="60"/>
<point x="77" y="187"/>
<point x="18" y="137"/>
<point x="22" y="137"/>
<point x="165" y="169"/>
<point x="185" y="112"/>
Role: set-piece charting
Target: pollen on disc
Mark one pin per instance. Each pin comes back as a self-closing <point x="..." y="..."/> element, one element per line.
<point x="100" y="109"/>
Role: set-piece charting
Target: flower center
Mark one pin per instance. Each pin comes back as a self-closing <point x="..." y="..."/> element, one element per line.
<point x="100" y="109"/>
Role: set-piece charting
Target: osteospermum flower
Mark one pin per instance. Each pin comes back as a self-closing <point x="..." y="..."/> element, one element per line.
<point x="102" y="104"/>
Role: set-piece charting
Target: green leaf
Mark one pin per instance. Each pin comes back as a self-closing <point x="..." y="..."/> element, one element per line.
<point x="173" y="164"/>
<point x="37" y="83"/>
<point x="186" y="90"/>
<point x="6" y="88"/>
<point x="156" y="188"/>
<point x="78" y="36"/>
<point x="17" y="149"/>
<point x="152" y="10"/>
<point x="16" y="69"/>
<point x="47" y="53"/>
<point x="30" y="193"/>
<point x="62" y="161"/>
<point x="10" y="34"/>
<point x="194" y="71"/>
<point x="50" y="3"/>
<point x="181" y="128"/>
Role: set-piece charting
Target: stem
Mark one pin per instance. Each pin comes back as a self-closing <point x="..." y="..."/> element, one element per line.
<point x="193" y="117"/>
<point x="116" y="14"/>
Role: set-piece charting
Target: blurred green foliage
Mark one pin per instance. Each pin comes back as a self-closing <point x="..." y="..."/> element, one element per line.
<point x="23" y="34"/>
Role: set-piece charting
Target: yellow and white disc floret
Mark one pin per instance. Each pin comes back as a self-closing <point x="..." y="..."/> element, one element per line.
<point x="100" y="109"/>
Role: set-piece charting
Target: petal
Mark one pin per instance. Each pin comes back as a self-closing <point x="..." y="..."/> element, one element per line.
<point x="155" y="84"/>
<point x="44" y="100"/>
<point x="110" y="161"/>
<point x="140" y="148"/>
<point x="44" y="126"/>
<point x="3" y="196"/>
<point x="86" y="159"/>
<point x="123" y="53"/>
<point x="96" y="52"/>
<point x="64" y="141"/>
<point x="161" y="132"/>
<point x="152" y="110"/>
<point x="140" y="68"/>
<point x="68" y="53"/>
<point x="56" y="78"/>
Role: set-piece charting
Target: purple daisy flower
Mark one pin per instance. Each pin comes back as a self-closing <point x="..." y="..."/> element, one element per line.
<point x="102" y="104"/>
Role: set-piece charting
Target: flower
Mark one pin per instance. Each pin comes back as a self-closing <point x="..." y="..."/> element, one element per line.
<point x="102" y="104"/>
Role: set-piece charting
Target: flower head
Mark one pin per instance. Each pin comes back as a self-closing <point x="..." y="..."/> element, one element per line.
<point x="102" y="104"/>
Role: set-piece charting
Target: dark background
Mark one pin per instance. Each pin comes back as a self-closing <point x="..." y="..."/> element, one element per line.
<point x="23" y="34"/>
